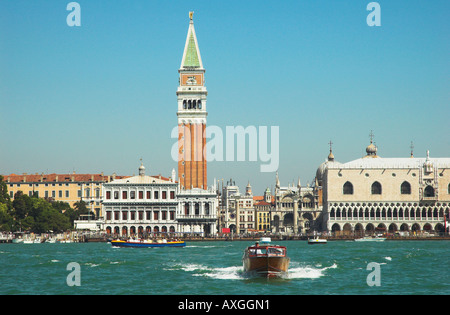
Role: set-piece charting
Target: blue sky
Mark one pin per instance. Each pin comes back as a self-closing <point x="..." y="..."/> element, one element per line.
<point x="100" y="96"/>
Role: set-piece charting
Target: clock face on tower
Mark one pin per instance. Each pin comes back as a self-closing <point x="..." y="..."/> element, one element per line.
<point x="192" y="79"/>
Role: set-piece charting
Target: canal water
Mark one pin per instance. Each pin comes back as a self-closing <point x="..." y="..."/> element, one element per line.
<point x="205" y="268"/>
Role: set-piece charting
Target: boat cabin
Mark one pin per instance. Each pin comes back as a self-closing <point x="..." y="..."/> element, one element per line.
<point x="266" y="251"/>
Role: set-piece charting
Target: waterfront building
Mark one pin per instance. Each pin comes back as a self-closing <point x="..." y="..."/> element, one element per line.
<point x="140" y="205"/>
<point x="69" y="188"/>
<point x="237" y="212"/>
<point x="263" y="208"/>
<point x="296" y="208"/>
<point x="374" y="194"/>
<point x="197" y="211"/>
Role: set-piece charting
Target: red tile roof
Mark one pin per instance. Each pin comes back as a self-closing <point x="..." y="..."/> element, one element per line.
<point x="35" y="178"/>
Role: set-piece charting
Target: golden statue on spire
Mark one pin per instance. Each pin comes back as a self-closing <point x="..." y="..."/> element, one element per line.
<point x="191" y="14"/>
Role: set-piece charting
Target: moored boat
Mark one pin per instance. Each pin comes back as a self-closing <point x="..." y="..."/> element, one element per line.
<point x="317" y="240"/>
<point x="147" y="243"/>
<point x="370" y="239"/>
<point x="266" y="260"/>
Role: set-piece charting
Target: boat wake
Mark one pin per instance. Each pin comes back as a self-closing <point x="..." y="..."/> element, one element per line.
<point x="237" y="272"/>
<point x="307" y="272"/>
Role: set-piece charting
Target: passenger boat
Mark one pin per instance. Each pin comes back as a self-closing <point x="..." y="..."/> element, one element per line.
<point x="265" y="259"/>
<point x="147" y="243"/>
<point x="317" y="240"/>
<point x="370" y="239"/>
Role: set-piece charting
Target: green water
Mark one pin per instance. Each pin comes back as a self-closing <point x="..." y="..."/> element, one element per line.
<point x="203" y="268"/>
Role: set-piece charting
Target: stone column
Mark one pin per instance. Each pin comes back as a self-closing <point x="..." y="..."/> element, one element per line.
<point x="295" y="215"/>
<point x="237" y="216"/>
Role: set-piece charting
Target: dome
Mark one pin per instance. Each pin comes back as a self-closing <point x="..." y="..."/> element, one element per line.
<point x="371" y="149"/>
<point x="321" y="171"/>
<point x="331" y="156"/>
<point x="142" y="169"/>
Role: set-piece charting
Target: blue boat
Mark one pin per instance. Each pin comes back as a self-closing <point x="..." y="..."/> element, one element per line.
<point x="147" y="243"/>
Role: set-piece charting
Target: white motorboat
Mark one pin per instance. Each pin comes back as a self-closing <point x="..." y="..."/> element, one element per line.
<point x="317" y="240"/>
<point x="370" y="239"/>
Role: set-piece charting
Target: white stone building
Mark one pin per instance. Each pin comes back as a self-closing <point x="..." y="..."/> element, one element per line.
<point x="140" y="205"/>
<point x="385" y="195"/>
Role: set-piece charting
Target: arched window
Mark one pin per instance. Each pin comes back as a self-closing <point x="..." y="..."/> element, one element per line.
<point x="199" y="104"/>
<point x="405" y="188"/>
<point x="429" y="191"/>
<point x="347" y="189"/>
<point x="186" y="208"/>
<point x="184" y="104"/>
<point x="376" y="188"/>
<point x="194" y="104"/>
<point x="189" y="104"/>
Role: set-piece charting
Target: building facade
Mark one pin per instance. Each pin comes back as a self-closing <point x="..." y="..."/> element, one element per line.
<point x="237" y="211"/>
<point x="69" y="188"/>
<point x="374" y="194"/>
<point x="140" y="205"/>
<point x="296" y="208"/>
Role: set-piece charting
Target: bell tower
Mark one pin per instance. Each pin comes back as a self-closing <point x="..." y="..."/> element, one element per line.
<point x="191" y="94"/>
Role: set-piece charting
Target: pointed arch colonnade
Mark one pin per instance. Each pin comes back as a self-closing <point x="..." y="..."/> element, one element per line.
<point x="368" y="218"/>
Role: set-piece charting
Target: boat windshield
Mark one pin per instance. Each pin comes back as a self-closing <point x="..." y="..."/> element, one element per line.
<point x="267" y="251"/>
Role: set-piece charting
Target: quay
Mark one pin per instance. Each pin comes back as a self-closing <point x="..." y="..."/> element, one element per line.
<point x="86" y="237"/>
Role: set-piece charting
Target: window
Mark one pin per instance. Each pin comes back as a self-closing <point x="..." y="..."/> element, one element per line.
<point x="108" y="195"/>
<point x="429" y="191"/>
<point x="132" y="194"/>
<point x="156" y="195"/>
<point x="60" y="193"/>
<point x="124" y="194"/>
<point x="348" y="188"/>
<point x="448" y="190"/>
<point x="164" y="195"/>
<point x="141" y="194"/>
<point x="116" y="195"/>
<point x="172" y="194"/>
<point x="405" y="188"/>
<point x="149" y="194"/>
<point x="376" y="188"/>
<point x="197" y="208"/>
<point x="67" y="194"/>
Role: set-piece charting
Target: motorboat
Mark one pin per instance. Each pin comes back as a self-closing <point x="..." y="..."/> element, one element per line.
<point x="317" y="240"/>
<point x="370" y="239"/>
<point x="266" y="260"/>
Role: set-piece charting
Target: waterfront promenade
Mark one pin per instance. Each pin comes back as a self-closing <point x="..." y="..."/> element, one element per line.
<point x="80" y="237"/>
